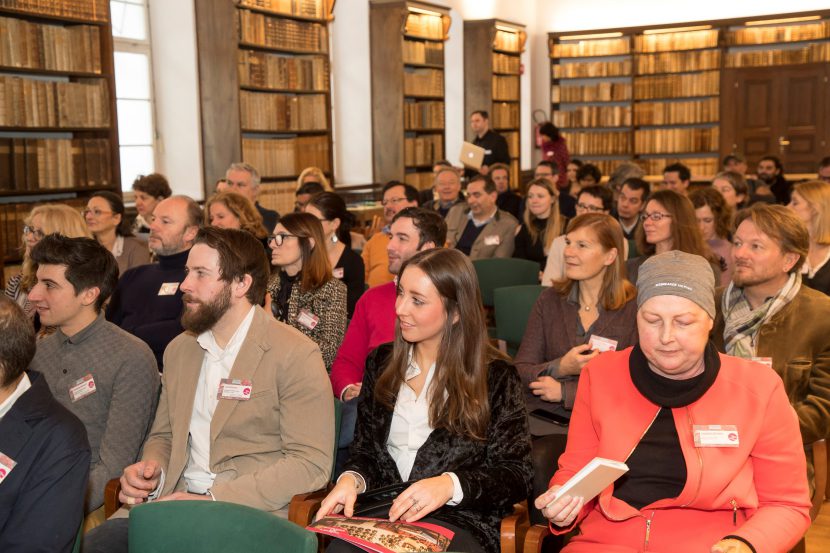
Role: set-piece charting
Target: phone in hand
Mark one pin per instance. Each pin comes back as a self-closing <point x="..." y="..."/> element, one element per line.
<point x="548" y="416"/>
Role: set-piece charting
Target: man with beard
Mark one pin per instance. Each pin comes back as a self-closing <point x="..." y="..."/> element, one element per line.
<point x="767" y="315"/>
<point x="147" y="302"/>
<point x="245" y="413"/>
<point x="396" y="196"/>
<point x="771" y="180"/>
<point x="103" y="375"/>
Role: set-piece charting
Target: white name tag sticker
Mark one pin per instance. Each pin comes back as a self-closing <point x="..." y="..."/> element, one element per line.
<point x="492" y="240"/>
<point x="308" y="319"/>
<point x="488" y="152"/>
<point x="81" y="388"/>
<point x="716" y="435"/>
<point x="602" y="344"/>
<point x="764" y="361"/>
<point x="6" y="466"/>
<point x="234" y="389"/>
<point x="168" y="288"/>
<point x="337" y="273"/>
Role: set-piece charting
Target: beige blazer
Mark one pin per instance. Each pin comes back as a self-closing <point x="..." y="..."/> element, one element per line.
<point x="264" y="450"/>
<point x="496" y="240"/>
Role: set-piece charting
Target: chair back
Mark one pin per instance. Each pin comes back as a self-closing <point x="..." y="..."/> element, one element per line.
<point x="500" y="272"/>
<point x="213" y="527"/>
<point x="513" y="305"/>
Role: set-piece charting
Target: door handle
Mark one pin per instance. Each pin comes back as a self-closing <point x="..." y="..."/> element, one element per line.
<point x="783" y="143"/>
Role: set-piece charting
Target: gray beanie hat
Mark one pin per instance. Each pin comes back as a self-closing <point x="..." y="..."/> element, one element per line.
<point x="677" y="273"/>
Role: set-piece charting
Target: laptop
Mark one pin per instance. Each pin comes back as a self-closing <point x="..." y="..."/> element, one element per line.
<point x="471" y="155"/>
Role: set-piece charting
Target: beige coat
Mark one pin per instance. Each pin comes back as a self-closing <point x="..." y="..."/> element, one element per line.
<point x="496" y="240"/>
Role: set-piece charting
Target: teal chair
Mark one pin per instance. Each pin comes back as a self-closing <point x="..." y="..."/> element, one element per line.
<point x="513" y="305"/>
<point x="213" y="527"/>
<point x="500" y="272"/>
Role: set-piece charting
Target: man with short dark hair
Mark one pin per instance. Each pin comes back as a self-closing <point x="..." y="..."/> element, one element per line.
<point x="105" y="376"/>
<point x="304" y="193"/>
<point x="494" y="144"/>
<point x="245" y="413"/>
<point x="771" y="180"/>
<point x="396" y="196"/>
<point x="448" y="190"/>
<point x="480" y="229"/>
<point x="243" y="179"/>
<point x="824" y="169"/>
<point x="630" y="205"/>
<point x="147" y="302"/>
<point x="735" y="163"/>
<point x="677" y="177"/>
<point x="507" y="199"/>
<point x="44" y="452"/>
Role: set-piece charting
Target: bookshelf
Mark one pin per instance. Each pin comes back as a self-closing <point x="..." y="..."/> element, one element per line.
<point x="58" y="126"/>
<point x="408" y="119"/>
<point x="492" y="78"/>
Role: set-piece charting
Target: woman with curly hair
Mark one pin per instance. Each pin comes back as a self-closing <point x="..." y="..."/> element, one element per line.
<point x="232" y="210"/>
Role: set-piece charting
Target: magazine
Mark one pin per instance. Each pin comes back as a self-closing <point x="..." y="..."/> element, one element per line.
<point x="381" y="536"/>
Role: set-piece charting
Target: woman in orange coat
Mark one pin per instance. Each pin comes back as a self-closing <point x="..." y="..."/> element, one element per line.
<point x="713" y="447"/>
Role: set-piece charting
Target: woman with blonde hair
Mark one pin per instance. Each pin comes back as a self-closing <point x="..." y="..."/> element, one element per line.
<point x="232" y="210"/>
<point x="811" y="203"/>
<point x="314" y="174"/>
<point x="41" y="221"/>
<point x="542" y="222"/>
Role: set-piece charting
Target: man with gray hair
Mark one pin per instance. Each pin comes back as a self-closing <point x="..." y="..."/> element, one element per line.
<point x="243" y="179"/>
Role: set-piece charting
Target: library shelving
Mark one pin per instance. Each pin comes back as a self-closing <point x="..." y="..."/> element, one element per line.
<point x="58" y="127"/>
<point x="492" y="78"/>
<point x="408" y="119"/>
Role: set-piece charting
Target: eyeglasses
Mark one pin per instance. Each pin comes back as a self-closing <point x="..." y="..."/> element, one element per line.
<point x="279" y="238"/>
<point x="38" y="234"/>
<point x="589" y="208"/>
<point x="655" y="217"/>
<point x="393" y="201"/>
<point x="95" y="212"/>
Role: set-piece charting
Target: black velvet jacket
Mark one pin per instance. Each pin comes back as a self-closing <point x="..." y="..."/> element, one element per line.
<point x="494" y="474"/>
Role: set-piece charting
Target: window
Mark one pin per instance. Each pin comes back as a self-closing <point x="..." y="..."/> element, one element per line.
<point x="133" y="89"/>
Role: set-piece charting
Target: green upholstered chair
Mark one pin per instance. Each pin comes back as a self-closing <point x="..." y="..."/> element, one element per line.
<point x="500" y="272"/>
<point x="513" y="305"/>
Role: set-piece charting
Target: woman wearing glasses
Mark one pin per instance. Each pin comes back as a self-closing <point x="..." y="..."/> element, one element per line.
<point x="669" y="223"/>
<point x="541" y="223"/>
<point x="337" y="222"/>
<point x="104" y="216"/>
<point x="302" y="291"/>
<point x="43" y="220"/>
<point x="714" y="218"/>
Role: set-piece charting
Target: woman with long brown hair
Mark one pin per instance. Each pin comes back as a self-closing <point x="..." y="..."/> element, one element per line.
<point x="235" y="211"/>
<point x="541" y="222"/>
<point x="302" y="291"/>
<point x="714" y="219"/>
<point x="441" y="414"/>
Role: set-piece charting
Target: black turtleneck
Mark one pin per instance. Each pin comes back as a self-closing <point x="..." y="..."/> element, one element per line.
<point x="279" y="304"/>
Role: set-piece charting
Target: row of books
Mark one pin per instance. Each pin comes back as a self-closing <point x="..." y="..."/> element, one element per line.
<point x="423" y="82"/>
<point x="506" y="87"/>
<point x="658" y="141"/>
<point x="48" y="164"/>
<point x="600" y="92"/>
<point x="505" y="115"/>
<point x="510" y="42"/>
<point x="686" y="40"/>
<point x="303" y="8"/>
<point x="808" y="54"/>
<point x="417" y="51"/>
<point x="286" y="157"/>
<point x="677" y="113"/>
<point x="505" y="63"/>
<point x="93" y="10"/>
<point x="12" y="219"/>
<point x="779" y="33"/>
<point x="675" y="62"/>
<point x="677" y="86"/>
<point x="699" y="166"/>
<point x="591" y="143"/>
<point x="36" y="103"/>
<point x="425" y="25"/>
<point x="423" y="115"/>
<point x="274" y="32"/>
<point x="266" y="111"/>
<point x="593" y="116"/>
<point x="423" y="150"/>
<point x="605" y="166"/>
<point x="267" y="70"/>
<point x="29" y="45"/>
<point x="420" y="180"/>
<point x="583" y="69"/>
<point x="596" y="47"/>
<point x="278" y="195"/>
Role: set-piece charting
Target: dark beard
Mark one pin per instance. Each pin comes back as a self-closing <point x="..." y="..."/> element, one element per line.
<point x="204" y="318"/>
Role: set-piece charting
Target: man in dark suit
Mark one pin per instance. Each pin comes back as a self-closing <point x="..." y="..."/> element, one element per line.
<point x="243" y="179"/>
<point x="494" y="144"/>
<point x="44" y="452"/>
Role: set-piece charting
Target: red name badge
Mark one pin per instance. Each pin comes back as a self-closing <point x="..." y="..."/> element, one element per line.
<point x="716" y="435"/>
<point x="6" y="466"/>
<point x="239" y="390"/>
<point x="82" y="387"/>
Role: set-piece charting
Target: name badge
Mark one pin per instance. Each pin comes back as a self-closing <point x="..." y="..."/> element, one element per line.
<point x="234" y="389"/>
<point x="337" y="273"/>
<point x="308" y="319"/>
<point x="81" y="388"/>
<point x="488" y="152"/>
<point x="492" y="240"/>
<point x="6" y="466"/>
<point x="168" y="288"/>
<point x="716" y="435"/>
<point x="764" y="361"/>
<point x="602" y="344"/>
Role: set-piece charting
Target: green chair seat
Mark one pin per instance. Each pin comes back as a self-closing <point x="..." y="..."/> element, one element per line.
<point x="513" y="305"/>
<point x="500" y="272"/>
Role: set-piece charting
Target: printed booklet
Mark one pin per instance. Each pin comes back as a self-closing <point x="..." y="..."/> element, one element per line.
<point x="381" y="536"/>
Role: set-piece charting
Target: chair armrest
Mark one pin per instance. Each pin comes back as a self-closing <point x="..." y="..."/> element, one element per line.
<point x="111" y="502"/>
<point x="304" y="506"/>
<point x="535" y="537"/>
<point x="513" y="529"/>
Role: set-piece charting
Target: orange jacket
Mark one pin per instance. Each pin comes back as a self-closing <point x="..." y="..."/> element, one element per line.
<point x="757" y="491"/>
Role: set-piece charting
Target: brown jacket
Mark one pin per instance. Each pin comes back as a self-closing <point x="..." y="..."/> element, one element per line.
<point x="797" y="338"/>
<point x="495" y="240"/>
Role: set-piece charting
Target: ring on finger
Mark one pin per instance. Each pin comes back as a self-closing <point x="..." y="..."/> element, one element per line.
<point x="415" y="505"/>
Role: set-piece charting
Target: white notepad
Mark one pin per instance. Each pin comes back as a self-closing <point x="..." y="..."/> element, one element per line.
<point x="594" y="477"/>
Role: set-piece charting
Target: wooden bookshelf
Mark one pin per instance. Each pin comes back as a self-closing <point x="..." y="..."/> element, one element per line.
<point x="492" y="78"/>
<point x="58" y="125"/>
<point x="408" y="119"/>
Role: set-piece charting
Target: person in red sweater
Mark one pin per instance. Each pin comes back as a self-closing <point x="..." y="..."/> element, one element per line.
<point x="711" y="442"/>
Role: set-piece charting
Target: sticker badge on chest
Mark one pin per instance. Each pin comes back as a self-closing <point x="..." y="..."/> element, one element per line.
<point x="716" y="435"/>
<point x="234" y="389"/>
<point x="602" y="344"/>
<point x="168" y="288"/>
<point x="308" y="319"/>
<point x="82" y="387"/>
<point x="337" y="273"/>
<point x="6" y="466"/>
<point x="492" y="240"/>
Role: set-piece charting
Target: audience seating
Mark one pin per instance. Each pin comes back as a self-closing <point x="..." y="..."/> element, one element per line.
<point x="500" y="272"/>
<point x="213" y="527"/>
<point x="513" y="305"/>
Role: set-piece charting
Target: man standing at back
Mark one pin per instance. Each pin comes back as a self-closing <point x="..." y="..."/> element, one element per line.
<point x="494" y="144"/>
<point x="147" y="302"/>
<point x="396" y="196"/>
<point x="245" y="413"/>
<point x="243" y="179"/>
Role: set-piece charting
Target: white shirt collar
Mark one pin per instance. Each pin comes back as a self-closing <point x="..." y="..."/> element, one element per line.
<point x="22" y="387"/>
<point x="810" y="272"/>
<point x="485" y="221"/>
<point x="208" y="341"/>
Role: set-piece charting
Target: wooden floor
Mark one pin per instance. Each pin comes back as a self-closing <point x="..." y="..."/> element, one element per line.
<point x="818" y="538"/>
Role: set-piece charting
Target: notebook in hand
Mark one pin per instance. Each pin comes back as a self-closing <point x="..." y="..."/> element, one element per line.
<point x="594" y="477"/>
